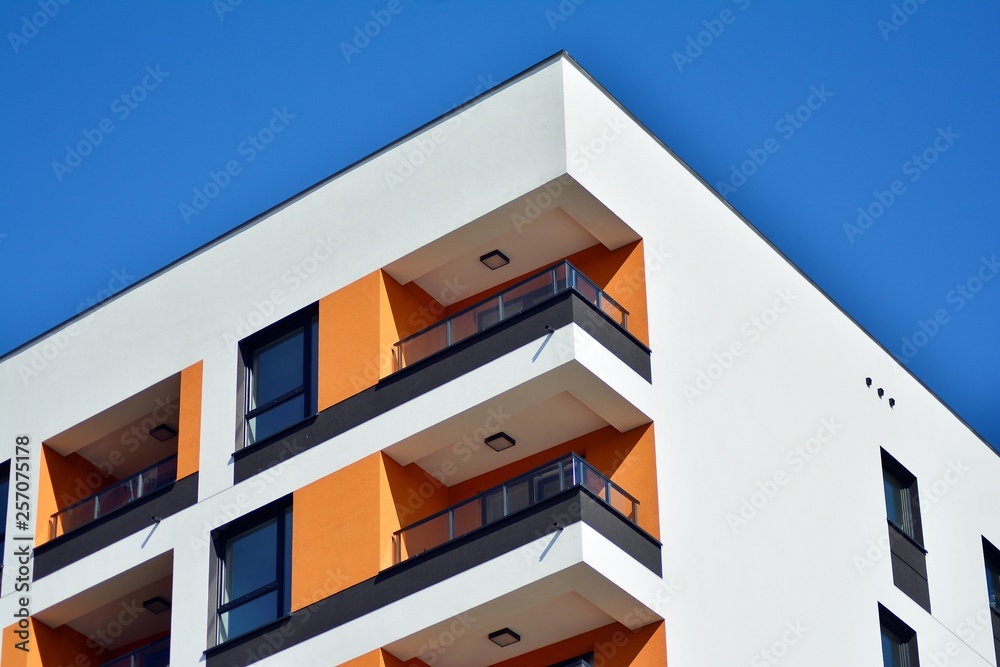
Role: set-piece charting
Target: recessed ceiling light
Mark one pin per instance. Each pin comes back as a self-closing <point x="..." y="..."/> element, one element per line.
<point x="500" y="441"/>
<point x="162" y="432"/>
<point x="495" y="259"/>
<point x="156" y="605"/>
<point x="504" y="637"/>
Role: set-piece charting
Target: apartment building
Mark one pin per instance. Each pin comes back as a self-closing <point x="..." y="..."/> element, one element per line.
<point x="517" y="390"/>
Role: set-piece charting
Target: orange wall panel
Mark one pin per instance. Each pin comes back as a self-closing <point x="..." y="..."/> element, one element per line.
<point x="189" y="426"/>
<point x="60" y="647"/>
<point x="62" y="481"/>
<point x="335" y="534"/>
<point x="348" y="341"/>
<point x="358" y="327"/>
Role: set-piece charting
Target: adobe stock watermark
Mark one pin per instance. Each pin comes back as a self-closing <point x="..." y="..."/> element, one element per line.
<point x="786" y="126"/>
<point x="781" y="647"/>
<point x="433" y="649"/>
<point x="293" y="277"/>
<point x="697" y="44"/>
<point x="239" y="504"/>
<point x="31" y="25"/>
<point x="364" y="34"/>
<point x="796" y="459"/>
<point x="121" y="108"/>
<point x="562" y="12"/>
<point x="913" y="168"/>
<point x="223" y="7"/>
<point x="968" y="629"/>
<point x="419" y="150"/>
<point x="898" y="17"/>
<point x="248" y="150"/>
<point x="929" y="496"/>
<point x="462" y="451"/>
<point x="583" y="155"/>
<point x="958" y="297"/>
<point x="49" y="350"/>
<point x="750" y="332"/>
<point x="129" y="442"/>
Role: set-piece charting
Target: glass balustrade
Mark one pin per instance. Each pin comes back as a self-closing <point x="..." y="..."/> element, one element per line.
<point x="508" y="303"/>
<point x="114" y="497"/>
<point x="509" y="498"/>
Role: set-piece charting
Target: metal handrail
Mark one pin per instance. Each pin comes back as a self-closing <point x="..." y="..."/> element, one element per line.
<point x="576" y="475"/>
<point x="141" y="490"/>
<point x="570" y="282"/>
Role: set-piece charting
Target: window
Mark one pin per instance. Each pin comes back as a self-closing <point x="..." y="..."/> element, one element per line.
<point x="992" y="556"/>
<point x="280" y="364"/>
<point x="899" y="642"/>
<point x="902" y="509"/>
<point x="901" y="503"/>
<point x="4" y="490"/>
<point x="254" y="571"/>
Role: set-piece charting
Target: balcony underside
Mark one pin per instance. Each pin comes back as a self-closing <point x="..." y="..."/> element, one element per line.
<point x="525" y="539"/>
<point x="436" y="371"/>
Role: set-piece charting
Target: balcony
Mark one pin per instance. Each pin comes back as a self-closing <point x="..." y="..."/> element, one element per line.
<point x="510" y="302"/>
<point x="510" y="498"/>
<point x="111" y="499"/>
<point x="155" y="654"/>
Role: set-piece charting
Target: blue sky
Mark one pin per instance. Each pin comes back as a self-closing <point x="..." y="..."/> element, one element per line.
<point x="861" y="137"/>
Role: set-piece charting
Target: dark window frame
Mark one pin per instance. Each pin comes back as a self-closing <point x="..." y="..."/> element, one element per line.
<point x="909" y="498"/>
<point x="306" y="319"/>
<point x="4" y="497"/>
<point x="991" y="556"/>
<point x="280" y="512"/>
<point x="906" y="638"/>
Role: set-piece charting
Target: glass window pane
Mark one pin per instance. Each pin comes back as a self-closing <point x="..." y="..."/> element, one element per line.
<point x="613" y="311"/>
<point x="527" y="295"/>
<point x="889" y="650"/>
<point x="468" y="516"/>
<point x="896" y="504"/>
<point x="891" y="499"/>
<point x="993" y="585"/>
<point x="83" y="513"/>
<point x="426" y="343"/>
<point x="586" y="289"/>
<point x="419" y="538"/>
<point x="277" y="368"/>
<point x="277" y="418"/>
<point x="286" y="602"/>
<point x="546" y="483"/>
<point x="518" y="496"/>
<point x="248" y="616"/>
<point x="493" y="506"/>
<point x="4" y="489"/>
<point x="251" y="560"/>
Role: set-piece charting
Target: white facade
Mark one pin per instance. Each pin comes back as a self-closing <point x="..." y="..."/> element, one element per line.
<point x="772" y="515"/>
